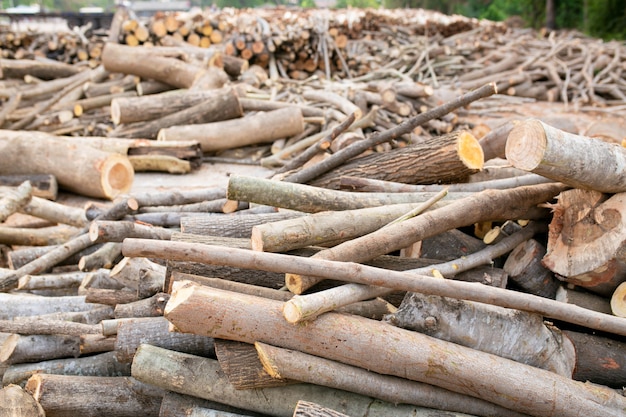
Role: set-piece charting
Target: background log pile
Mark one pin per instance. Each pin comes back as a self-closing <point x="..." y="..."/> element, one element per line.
<point x="393" y="217"/>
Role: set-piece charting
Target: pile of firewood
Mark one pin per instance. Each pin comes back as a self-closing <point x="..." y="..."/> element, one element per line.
<point x="402" y="258"/>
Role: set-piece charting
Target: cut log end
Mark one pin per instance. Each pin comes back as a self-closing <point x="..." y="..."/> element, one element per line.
<point x="182" y="293"/>
<point x="292" y="312"/>
<point x="266" y="361"/>
<point x="470" y="151"/>
<point x="116" y="113"/>
<point x="618" y="301"/>
<point x="294" y="283"/>
<point x="256" y="239"/>
<point x="17" y="402"/>
<point x="526" y="145"/>
<point x="117" y="176"/>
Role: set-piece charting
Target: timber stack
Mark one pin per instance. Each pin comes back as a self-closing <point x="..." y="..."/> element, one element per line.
<point x="405" y="255"/>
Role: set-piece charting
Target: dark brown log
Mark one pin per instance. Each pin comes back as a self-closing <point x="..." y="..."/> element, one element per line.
<point x="93" y="396"/>
<point x="526" y="271"/>
<point x="240" y="363"/>
<point x="449" y="158"/>
<point x="248" y="319"/>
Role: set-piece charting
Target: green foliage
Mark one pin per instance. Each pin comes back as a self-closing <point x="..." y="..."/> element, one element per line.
<point x="363" y="4"/>
<point x="607" y="19"/>
<point x="307" y="4"/>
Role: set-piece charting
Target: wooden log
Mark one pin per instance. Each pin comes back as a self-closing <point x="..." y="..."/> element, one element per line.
<point x="51" y="281"/>
<point x="43" y="326"/>
<point x="487" y="328"/>
<point x="583" y="299"/>
<point x="310" y="199"/>
<point x="324" y="227"/>
<point x="127" y="271"/>
<point x="525" y="270"/>
<point x="240" y="363"/>
<point x="224" y="106"/>
<point x="586" y="234"/>
<point x="341" y="103"/>
<point x="232" y="225"/>
<point x="110" y="297"/>
<point x="64" y="395"/>
<point x="105" y="257"/>
<point x="41" y="236"/>
<point x="286" y="363"/>
<point x="155" y="331"/>
<point x="449" y="158"/>
<point x="178" y="405"/>
<point x="103" y="364"/>
<point x="37" y="348"/>
<point x="46" y="70"/>
<point x="203" y="378"/>
<point x="147" y="65"/>
<point x="229" y="134"/>
<point x="116" y="231"/>
<point x="99" y="174"/>
<point x="14" y="401"/>
<point x="44" y="186"/>
<point x="374" y="276"/>
<point x="476" y="208"/>
<point x="55" y="212"/>
<point x="16" y="305"/>
<point x="574" y="160"/>
<point x="457" y="368"/>
<point x="14" y="199"/>
<point x="146" y="307"/>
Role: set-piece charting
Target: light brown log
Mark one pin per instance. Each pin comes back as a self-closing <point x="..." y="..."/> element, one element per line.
<point x="147" y="65"/>
<point x="457" y="368"/>
<point x="343" y="104"/>
<point x="127" y="272"/>
<point x="110" y="297"/>
<point x="55" y="212"/>
<point x="373" y="276"/>
<point x="96" y="343"/>
<point x="287" y="363"/>
<point x="203" y="378"/>
<point x="585" y="240"/>
<point x="224" y="106"/>
<point x="14" y="199"/>
<point x="80" y="169"/>
<point x="116" y="231"/>
<point x="483" y="206"/>
<point x="51" y="281"/>
<point x="178" y="405"/>
<point x="449" y="158"/>
<point x="15" y="305"/>
<point x="229" y="134"/>
<point x="44" y="186"/>
<point x="104" y="364"/>
<point x="155" y="331"/>
<point x="312" y="199"/>
<point x="105" y="256"/>
<point x="40" y="236"/>
<point x="488" y="328"/>
<point x="146" y="307"/>
<point x="48" y="327"/>
<point x="46" y="70"/>
<point x="240" y="363"/>
<point x="233" y="225"/>
<point x="14" y="401"/>
<point x="574" y="160"/>
<point x="69" y="395"/>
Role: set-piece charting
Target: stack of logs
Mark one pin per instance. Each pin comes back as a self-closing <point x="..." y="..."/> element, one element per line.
<point x="380" y="230"/>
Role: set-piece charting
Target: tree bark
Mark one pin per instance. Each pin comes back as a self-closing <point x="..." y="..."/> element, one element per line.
<point x="37" y="348"/>
<point x="457" y="368"/>
<point x="116" y="231"/>
<point x="230" y="134"/>
<point x="203" y="378"/>
<point x="179" y="405"/>
<point x="238" y="226"/>
<point x="14" y="199"/>
<point x="93" y="396"/>
<point x="18" y="305"/>
<point x="16" y="402"/>
<point x="574" y="160"/>
<point x="44" y="185"/>
<point x="55" y="212"/>
<point x="146" y="307"/>
<point x="447" y="159"/>
<point x="583" y="299"/>
<point x="309" y="409"/>
<point x="525" y="270"/>
<point x="369" y="275"/>
<point x="292" y="364"/>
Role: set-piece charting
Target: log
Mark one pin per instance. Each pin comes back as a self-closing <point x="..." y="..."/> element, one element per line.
<point x="16" y="402"/>
<point x="369" y="275"/>
<point x="52" y="281"/>
<point x="457" y="368"/>
<point x="229" y="134"/>
<point x="116" y="231"/>
<point x="47" y="327"/>
<point x="41" y="236"/>
<point x="240" y="363"/>
<point x="133" y="332"/>
<point x="105" y="257"/>
<point x="583" y="299"/>
<point x="127" y="272"/>
<point x="147" y="307"/>
<point x="103" y="364"/>
<point x="525" y="270"/>
<point x="287" y="363"/>
<point x="37" y="348"/>
<point x="46" y="70"/>
<point x="14" y="199"/>
<point x="585" y="240"/>
<point x="618" y="301"/>
<point x="309" y="409"/>
<point x="178" y="405"/>
<point x="223" y="106"/>
<point x="44" y="186"/>
<point x="16" y="305"/>
<point x="55" y="212"/>
<point x="311" y="199"/>
<point x="232" y="225"/>
<point x="99" y="174"/>
<point x="572" y="159"/>
<point x="488" y="328"/>
<point x="483" y="206"/>
<point x="93" y="396"/>
<point x="202" y="377"/>
<point x="444" y="159"/>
